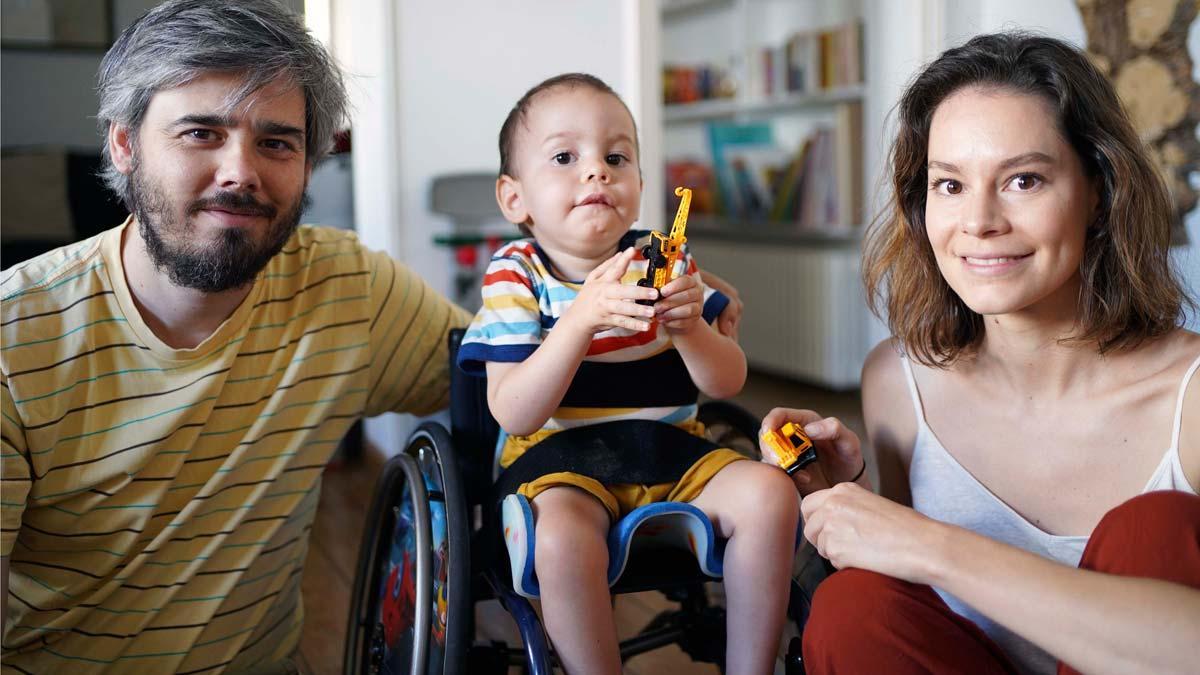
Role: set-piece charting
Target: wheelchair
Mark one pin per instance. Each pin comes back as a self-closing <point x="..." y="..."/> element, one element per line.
<point x="432" y="549"/>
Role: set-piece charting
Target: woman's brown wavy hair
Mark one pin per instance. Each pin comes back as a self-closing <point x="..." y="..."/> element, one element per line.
<point x="1129" y="291"/>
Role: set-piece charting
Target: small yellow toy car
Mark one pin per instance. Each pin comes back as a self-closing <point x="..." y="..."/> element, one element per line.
<point x="793" y="448"/>
<point x="663" y="250"/>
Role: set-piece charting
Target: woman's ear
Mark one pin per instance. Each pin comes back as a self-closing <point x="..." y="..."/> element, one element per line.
<point x="512" y="203"/>
<point x="120" y="147"/>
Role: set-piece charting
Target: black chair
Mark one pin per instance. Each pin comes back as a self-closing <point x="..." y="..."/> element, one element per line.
<point x="432" y="548"/>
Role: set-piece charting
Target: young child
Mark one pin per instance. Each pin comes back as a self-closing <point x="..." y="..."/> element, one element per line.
<point x="560" y="317"/>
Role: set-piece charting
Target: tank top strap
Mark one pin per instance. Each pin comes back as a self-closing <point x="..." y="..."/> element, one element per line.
<point x="1179" y="403"/>
<point x="912" y="389"/>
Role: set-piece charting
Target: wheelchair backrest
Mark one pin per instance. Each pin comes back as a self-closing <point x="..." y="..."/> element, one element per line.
<point x="472" y="426"/>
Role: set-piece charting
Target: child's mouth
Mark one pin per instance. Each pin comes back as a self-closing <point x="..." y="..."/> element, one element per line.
<point x="595" y="198"/>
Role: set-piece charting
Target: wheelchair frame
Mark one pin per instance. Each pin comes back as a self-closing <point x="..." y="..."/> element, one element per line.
<point x="413" y="607"/>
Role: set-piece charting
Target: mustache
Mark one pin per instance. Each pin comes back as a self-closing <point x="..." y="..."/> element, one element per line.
<point x="236" y="202"/>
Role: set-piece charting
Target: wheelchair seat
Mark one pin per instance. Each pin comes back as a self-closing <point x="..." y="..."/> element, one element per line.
<point x="660" y="525"/>
<point x="435" y="546"/>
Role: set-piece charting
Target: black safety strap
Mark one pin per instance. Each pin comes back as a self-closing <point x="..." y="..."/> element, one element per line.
<point x="626" y="451"/>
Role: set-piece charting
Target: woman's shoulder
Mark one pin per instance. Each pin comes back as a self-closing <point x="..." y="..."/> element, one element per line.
<point x="888" y="408"/>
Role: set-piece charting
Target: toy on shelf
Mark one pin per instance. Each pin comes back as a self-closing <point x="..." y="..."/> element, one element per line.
<point x="793" y="448"/>
<point x="663" y="250"/>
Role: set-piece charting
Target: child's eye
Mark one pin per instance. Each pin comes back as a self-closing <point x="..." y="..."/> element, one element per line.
<point x="1025" y="182"/>
<point x="615" y="159"/>
<point x="562" y="158"/>
<point x="946" y="186"/>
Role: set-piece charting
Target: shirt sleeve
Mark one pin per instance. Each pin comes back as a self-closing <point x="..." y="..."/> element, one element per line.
<point x="508" y="327"/>
<point x="409" y="332"/>
<point x="14" y="469"/>
<point x="714" y="300"/>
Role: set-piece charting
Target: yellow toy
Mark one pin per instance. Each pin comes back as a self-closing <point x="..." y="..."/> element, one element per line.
<point x="793" y="448"/>
<point x="663" y="250"/>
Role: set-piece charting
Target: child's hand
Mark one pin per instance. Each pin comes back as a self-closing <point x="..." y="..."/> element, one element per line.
<point x="604" y="302"/>
<point x="682" y="305"/>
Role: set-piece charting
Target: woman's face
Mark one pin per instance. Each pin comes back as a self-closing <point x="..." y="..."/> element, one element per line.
<point x="1008" y="204"/>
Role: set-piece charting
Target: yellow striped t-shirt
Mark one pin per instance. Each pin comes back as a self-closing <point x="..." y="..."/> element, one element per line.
<point x="157" y="501"/>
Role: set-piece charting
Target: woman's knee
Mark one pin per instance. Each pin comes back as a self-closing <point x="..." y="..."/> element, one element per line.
<point x="848" y="602"/>
<point x="1156" y="534"/>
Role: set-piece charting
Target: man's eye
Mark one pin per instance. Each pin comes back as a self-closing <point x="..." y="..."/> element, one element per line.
<point x="615" y="159"/>
<point x="276" y="144"/>
<point x="199" y="134"/>
<point x="562" y="158"/>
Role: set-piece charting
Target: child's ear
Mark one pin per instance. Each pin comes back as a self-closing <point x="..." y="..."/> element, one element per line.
<point x="508" y="196"/>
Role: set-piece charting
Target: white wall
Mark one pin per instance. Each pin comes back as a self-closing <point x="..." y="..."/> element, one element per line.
<point x="462" y="66"/>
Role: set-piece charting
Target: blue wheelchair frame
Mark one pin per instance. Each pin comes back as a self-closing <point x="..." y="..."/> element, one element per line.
<point x="431" y="549"/>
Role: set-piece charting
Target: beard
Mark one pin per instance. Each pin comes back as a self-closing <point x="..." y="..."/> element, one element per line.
<point x="233" y="260"/>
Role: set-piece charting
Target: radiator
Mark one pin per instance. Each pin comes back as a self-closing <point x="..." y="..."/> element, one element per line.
<point x="805" y="314"/>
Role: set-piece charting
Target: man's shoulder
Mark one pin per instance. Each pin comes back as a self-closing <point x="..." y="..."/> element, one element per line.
<point x="42" y="274"/>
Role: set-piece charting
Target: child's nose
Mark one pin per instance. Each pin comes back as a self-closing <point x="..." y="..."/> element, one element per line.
<point x="595" y="170"/>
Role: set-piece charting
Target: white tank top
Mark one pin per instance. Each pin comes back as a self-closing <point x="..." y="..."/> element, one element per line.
<point x="943" y="490"/>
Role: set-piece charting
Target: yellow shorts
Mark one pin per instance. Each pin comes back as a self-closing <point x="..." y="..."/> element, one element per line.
<point x="621" y="498"/>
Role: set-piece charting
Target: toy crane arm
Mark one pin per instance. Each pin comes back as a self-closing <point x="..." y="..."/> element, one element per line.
<point x="681" y="215"/>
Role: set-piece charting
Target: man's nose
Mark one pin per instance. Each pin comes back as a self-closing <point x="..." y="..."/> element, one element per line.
<point x="237" y="168"/>
<point x="595" y="170"/>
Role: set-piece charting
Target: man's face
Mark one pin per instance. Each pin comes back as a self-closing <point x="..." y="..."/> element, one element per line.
<point x="216" y="193"/>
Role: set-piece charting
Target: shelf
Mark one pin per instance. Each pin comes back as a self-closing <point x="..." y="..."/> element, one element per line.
<point x="723" y="228"/>
<point x="672" y="9"/>
<point x="729" y="108"/>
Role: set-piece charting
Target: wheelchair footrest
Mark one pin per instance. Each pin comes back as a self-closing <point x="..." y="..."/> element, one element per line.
<point x="664" y="524"/>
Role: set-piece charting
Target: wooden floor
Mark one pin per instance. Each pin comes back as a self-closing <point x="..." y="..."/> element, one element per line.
<point x="333" y="548"/>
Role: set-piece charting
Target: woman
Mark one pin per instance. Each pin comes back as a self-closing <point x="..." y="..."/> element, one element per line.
<point x="1037" y="374"/>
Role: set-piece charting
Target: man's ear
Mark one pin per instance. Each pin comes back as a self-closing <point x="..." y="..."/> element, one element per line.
<point x="120" y="147"/>
<point x="512" y="204"/>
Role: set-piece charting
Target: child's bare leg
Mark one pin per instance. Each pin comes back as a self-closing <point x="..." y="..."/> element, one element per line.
<point x="756" y="507"/>
<point x="571" y="560"/>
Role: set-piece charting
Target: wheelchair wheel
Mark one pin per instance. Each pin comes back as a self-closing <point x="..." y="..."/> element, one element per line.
<point x="410" y="612"/>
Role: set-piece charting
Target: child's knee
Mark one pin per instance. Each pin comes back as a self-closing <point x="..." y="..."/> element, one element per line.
<point x="769" y="494"/>
<point x="570" y="533"/>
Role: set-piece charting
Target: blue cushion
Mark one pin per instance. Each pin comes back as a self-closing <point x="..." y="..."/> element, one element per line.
<point x="673" y="524"/>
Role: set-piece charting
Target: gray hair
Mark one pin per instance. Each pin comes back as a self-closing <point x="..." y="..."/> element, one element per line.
<point x="182" y="40"/>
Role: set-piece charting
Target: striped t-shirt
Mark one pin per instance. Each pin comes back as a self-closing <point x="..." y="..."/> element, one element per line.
<point x="626" y="374"/>
<point x="157" y="501"/>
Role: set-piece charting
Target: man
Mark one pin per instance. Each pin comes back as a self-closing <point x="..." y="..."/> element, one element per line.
<point x="172" y="388"/>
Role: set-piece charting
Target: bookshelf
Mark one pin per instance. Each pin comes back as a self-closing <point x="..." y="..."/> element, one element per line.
<point x="762" y="102"/>
<point x="768" y="105"/>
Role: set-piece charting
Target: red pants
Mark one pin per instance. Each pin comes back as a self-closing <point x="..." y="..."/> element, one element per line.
<point x="865" y="622"/>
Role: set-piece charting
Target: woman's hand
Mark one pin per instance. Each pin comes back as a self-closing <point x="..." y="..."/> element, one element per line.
<point x="839" y="453"/>
<point x="851" y="526"/>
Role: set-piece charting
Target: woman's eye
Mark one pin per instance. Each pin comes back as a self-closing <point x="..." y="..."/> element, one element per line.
<point x="1026" y="181"/>
<point x="947" y="186"/>
<point x="562" y="158"/>
<point x="615" y="159"/>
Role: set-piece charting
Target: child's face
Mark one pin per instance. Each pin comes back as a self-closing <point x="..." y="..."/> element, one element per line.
<point x="578" y="179"/>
